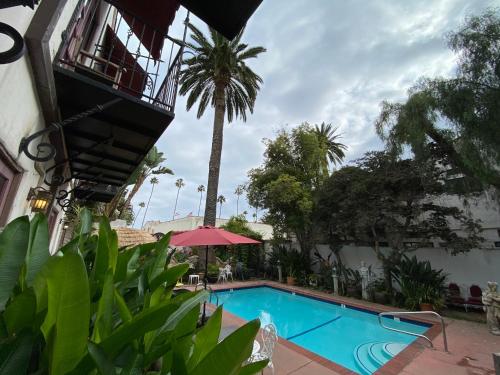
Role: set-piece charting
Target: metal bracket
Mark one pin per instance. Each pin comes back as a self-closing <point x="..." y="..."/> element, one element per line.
<point x="48" y="149"/>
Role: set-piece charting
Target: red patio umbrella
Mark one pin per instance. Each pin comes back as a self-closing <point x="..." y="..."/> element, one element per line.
<point x="209" y="236"/>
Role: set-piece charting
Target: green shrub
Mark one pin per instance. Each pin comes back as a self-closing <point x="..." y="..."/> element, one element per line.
<point x="92" y="309"/>
<point x="419" y="283"/>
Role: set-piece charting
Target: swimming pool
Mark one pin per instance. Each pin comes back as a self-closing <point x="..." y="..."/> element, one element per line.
<point x="347" y="336"/>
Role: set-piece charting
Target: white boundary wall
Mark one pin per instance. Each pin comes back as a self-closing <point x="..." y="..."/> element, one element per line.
<point x="475" y="267"/>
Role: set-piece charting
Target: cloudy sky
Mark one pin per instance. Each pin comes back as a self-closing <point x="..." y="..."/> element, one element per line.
<point x="326" y="60"/>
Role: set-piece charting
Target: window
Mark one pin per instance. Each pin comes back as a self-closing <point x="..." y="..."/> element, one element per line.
<point x="10" y="175"/>
<point x="498" y="232"/>
<point x="497" y="243"/>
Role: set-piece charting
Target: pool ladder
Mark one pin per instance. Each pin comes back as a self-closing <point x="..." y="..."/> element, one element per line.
<point x="394" y="314"/>
<point x="211" y="291"/>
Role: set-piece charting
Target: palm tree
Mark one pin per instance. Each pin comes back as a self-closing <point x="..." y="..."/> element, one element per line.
<point x="141" y="206"/>
<point x="240" y="189"/>
<point x="217" y="75"/>
<point x="221" y="199"/>
<point x="153" y="182"/>
<point x="201" y="189"/>
<point x="151" y="165"/>
<point x="254" y="215"/>
<point x="179" y="183"/>
<point x="332" y="149"/>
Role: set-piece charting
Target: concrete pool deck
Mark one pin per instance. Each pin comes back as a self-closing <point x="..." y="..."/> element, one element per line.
<point x="470" y="344"/>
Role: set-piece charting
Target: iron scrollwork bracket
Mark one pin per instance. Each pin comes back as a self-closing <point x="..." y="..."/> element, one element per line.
<point x="48" y="150"/>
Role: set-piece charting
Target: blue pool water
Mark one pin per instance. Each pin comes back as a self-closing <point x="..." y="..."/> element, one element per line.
<point x="349" y="337"/>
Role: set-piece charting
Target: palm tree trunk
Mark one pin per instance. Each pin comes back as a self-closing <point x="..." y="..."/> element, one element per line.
<point x="237" y="205"/>
<point x="147" y="206"/>
<point x="220" y="210"/>
<point x="175" y="206"/>
<point x="199" y="206"/>
<point x="136" y="216"/>
<point x="215" y="157"/>
<point x="111" y="206"/>
<point x="135" y="189"/>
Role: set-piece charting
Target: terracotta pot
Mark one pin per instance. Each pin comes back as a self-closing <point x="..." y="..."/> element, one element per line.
<point x="426" y="307"/>
<point x="290" y="280"/>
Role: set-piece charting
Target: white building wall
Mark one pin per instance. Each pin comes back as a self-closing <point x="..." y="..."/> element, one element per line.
<point x="475" y="267"/>
<point x="20" y="110"/>
<point x="193" y="222"/>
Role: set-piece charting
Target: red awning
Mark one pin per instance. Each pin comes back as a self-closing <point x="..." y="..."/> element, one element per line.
<point x="209" y="236"/>
<point x="149" y="21"/>
<point x="133" y="77"/>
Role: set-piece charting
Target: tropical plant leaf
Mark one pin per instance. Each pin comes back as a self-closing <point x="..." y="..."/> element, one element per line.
<point x="103" y="364"/>
<point x="187" y="302"/>
<point x="15" y="354"/>
<point x="242" y="339"/>
<point x="66" y="325"/>
<point x="104" y="318"/>
<point x="13" y="247"/>
<point x="253" y="368"/>
<point x="106" y="253"/>
<point x="38" y="247"/>
<point x="205" y="339"/>
<point x="169" y="276"/>
<point x="20" y="313"/>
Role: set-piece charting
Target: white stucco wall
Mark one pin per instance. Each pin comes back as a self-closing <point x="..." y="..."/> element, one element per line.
<point x="475" y="267"/>
<point x="20" y="113"/>
<point x="193" y="222"/>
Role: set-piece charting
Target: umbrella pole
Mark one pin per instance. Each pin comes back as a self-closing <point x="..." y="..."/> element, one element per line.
<point x="205" y="279"/>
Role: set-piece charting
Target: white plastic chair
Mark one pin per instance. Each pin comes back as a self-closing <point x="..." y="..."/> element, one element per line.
<point x="222" y="275"/>
<point x="228" y="272"/>
<point x="269" y="338"/>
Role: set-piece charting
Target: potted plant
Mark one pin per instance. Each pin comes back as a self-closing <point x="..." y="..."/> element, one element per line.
<point x="213" y="273"/>
<point x="290" y="278"/>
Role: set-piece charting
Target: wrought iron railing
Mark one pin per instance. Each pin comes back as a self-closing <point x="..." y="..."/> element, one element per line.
<point x="109" y="44"/>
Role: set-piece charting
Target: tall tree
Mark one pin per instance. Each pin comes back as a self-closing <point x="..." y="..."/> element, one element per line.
<point x="153" y="182"/>
<point x="179" y="184"/>
<point x="141" y="206"/>
<point x="286" y="183"/>
<point x="383" y="199"/>
<point x="217" y="75"/>
<point x="151" y="165"/>
<point x="221" y="199"/>
<point x="332" y="149"/>
<point x="201" y="189"/>
<point x="457" y="116"/>
<point x="240" y="189"/>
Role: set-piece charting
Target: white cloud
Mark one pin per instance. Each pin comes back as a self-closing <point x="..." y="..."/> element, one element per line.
<point x="331" y="61"/>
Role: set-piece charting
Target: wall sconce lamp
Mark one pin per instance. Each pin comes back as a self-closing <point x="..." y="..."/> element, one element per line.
<point x="40" y="199"/>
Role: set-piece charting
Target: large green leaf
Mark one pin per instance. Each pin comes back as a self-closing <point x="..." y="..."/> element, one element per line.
<point x="160" y="262"/>
<point x="206" y="339"/>
<point x="20" y="313"/>
<point x="126" y="263"/>
<point x="38" y="247"/>
<point x="106" y="253"/>
<point x="85" y="223"/>
<point x="147" y="320"/>
<point x="66" y="325"/>
<point x="104" y="365"/>
<point x="13" y="246"/>
<point x="104" y="317"/>
<point x="187" y="302"/>
<point x="253" y="368"/>
<point x="169" y="276"/>
<point x="229" y="355"/>
<point x="15" y="354"/>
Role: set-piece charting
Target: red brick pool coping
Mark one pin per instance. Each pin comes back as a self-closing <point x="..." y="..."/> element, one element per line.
<point x="393" y="367"/>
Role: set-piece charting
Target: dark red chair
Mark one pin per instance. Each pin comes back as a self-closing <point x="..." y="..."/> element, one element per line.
<point x="475" y="299"/>
<point x="454" y="297"/>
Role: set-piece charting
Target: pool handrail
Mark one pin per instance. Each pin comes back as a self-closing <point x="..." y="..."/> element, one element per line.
<point x="399" y="313"/>
<point x="209" y="288"/>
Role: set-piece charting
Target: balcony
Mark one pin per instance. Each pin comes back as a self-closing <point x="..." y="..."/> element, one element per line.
<point x="117" y="59"/>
